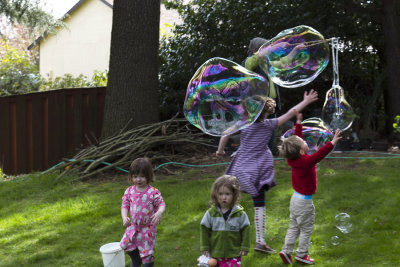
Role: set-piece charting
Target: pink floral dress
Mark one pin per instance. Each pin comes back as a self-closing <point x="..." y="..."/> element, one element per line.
<point x="141" y="233"/>
<point x="229" y="262"/>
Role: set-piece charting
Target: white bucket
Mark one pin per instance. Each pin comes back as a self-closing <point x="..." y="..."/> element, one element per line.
<point x="113" y="255"/>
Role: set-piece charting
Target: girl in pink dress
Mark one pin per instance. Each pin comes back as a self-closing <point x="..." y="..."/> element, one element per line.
<point x="145" y="206"/>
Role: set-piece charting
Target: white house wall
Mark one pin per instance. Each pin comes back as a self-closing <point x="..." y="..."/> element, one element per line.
<point x="82" y="47"/>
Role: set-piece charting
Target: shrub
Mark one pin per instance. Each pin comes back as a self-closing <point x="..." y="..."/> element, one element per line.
<point x="18" y="74"/>
<point x="99" y="78"/>
<point x="396" y="124"/>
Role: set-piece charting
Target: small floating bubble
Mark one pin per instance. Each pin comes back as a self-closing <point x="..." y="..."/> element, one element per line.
<point x="343" y="223"/>
<point x="335" y="240"/>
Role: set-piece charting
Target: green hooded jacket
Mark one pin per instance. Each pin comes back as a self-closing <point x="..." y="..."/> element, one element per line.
<point x="225" y="239"/>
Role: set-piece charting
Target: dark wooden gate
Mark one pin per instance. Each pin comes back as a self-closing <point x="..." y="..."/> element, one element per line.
<point x="38" y="129"/>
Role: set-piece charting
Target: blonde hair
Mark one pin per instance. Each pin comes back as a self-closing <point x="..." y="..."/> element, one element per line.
<point x="229" y="182"/>
<point x="291" y="146"/>
<point x="269" y="108"/>
<point x="141" y="166"/>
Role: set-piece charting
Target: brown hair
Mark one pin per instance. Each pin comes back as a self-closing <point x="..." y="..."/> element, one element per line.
<point x="269" y="108"/>
<point x="141" y="166"/>
<point x="229" y="182"/>
<point x="255" y="44"/>
<point x="291" y="147"/>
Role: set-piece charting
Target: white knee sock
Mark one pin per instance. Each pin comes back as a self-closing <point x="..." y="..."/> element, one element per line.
<point x="259" y="220"/>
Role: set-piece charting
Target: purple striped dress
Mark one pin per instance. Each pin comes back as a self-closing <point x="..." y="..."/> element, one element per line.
<point x="253" y="163"/>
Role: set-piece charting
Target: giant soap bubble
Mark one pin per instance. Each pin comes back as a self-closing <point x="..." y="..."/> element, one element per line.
<point x="294" y="57"/>
<point x="223" y="97"/>
<point x="316" y="133"/>
<point x="336" y="111"/>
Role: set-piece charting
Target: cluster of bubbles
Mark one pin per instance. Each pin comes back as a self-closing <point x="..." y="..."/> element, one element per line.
<point x="223" y="97"/>
<point x="336" y="113"/>
<point x="343" y="224"/>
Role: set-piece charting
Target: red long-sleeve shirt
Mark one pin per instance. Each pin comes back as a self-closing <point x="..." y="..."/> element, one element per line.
<point x="304" y="171"/>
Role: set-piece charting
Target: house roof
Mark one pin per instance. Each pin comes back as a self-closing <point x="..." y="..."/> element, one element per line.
<point x="66" y="15"/>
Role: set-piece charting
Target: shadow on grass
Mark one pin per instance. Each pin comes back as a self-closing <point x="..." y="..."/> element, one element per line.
<point x="63" y="230"/>
<point x="65" y="225"/>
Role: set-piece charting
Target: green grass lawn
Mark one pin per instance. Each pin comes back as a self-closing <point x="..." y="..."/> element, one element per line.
<point x="42" y="224"/>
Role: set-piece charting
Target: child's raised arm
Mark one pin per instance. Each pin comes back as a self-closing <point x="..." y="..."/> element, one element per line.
<point x="299" y="116"/>
<point x="336" y="137"/>
<point x="221" y="146"/>
<point x="309" y="97"/>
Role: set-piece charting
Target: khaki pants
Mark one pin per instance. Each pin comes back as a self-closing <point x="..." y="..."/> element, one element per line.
<point x="302" y="214"/>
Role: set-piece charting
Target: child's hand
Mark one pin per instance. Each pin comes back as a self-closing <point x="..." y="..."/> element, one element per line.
<point x="126" y="221"/>
<point x="311" y="96"/>
<point x="220" y="154"/>
<point x="243" y="253"/>
<point x="299" y="116"/>
<point x="156" y="217"/>
<point x="206" y="253"/>
<point x="336" y="137"/>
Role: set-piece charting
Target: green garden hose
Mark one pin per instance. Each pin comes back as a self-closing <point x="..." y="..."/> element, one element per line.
<point x="384" y="156"/>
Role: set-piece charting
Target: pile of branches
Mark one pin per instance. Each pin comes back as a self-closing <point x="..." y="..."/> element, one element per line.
<point x="163" y="141"/>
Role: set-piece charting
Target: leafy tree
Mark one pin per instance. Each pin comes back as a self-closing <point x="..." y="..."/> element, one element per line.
<point x="17" y="35"/>
<point x="391" y="22"/>
<point x="18" y="71"/>
<point x="28" y="13"/>
<point x="224" y="28"/>
<point x="20" y="21"/>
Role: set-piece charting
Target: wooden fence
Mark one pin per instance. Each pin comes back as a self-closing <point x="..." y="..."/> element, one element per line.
<point x="37" y="130"/>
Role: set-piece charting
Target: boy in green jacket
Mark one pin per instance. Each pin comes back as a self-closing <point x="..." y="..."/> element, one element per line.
<point x="225" y="227"/>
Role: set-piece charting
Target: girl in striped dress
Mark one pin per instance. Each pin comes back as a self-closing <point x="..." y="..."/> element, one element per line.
<point x="253" y="163"/>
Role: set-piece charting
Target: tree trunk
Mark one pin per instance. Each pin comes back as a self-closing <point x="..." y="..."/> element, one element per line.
<point x="391" y="22"/>
<point x="132" y="91"/>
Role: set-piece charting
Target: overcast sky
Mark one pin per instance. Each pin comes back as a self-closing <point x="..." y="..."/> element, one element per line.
<point x="58" y="7"/>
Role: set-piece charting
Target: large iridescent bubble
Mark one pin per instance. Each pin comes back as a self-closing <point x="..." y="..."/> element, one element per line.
<point x="294" y="57"/>
<point x="336" y="111"/>
<point x="316" y="133"/>
<point x="224" y="97"/>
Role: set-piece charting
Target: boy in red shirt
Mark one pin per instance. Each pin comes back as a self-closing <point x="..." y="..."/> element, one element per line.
<point x="304" y="182"/>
